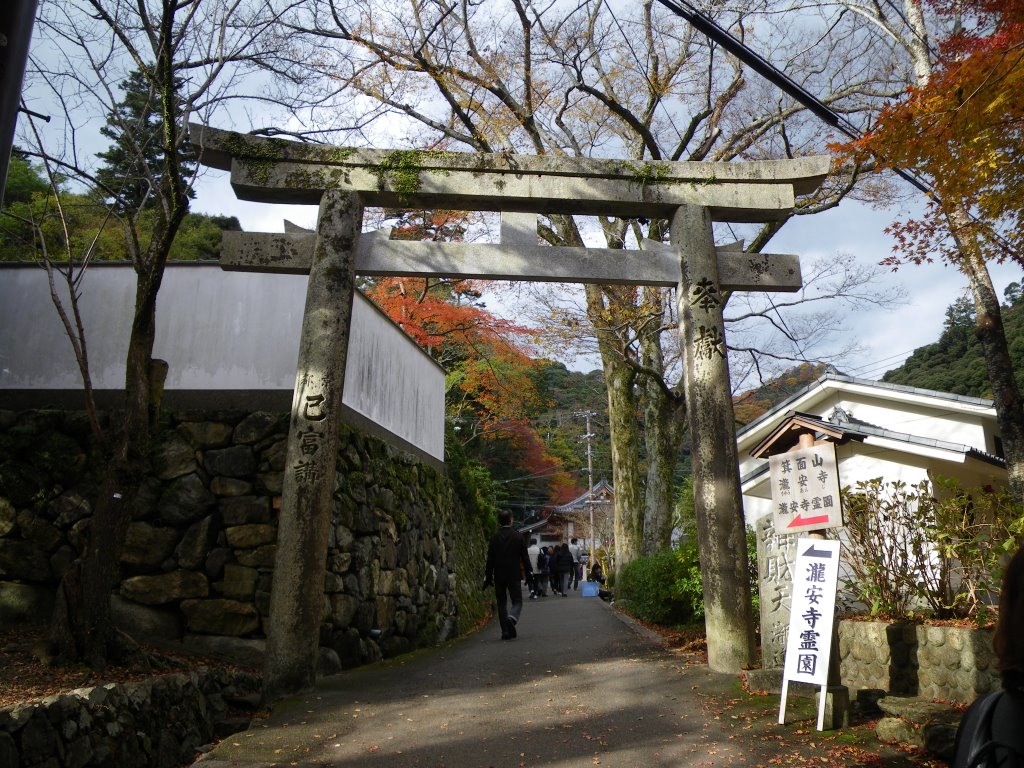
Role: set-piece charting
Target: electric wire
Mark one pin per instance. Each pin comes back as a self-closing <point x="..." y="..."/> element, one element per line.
<point x="772" y="74"/>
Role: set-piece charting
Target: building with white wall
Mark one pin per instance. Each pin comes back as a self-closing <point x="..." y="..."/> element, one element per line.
<point x="890" y="431"/>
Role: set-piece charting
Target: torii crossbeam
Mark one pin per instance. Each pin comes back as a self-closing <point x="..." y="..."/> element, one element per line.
<point x="342" y="180"/>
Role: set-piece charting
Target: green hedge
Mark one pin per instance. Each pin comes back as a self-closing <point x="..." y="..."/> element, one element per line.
<point x="663" y="588"/>
<point x="666" y="587"/>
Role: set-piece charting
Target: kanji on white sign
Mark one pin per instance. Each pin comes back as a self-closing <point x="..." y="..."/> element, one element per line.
<point x="811" y="616"/>
<point x="805" y="489"/>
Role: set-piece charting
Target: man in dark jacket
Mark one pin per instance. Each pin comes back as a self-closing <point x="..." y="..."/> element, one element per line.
<point x="508" y="563"/>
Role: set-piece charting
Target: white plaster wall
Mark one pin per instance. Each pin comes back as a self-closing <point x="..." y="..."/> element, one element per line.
<point x="218" y="331"/>
<point x="917" y="419"/>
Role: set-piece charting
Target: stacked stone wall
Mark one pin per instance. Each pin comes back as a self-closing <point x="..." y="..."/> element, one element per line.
<point x="158" y="723"/>
<point x="200" y="549"/>
<point x="932" y="662"/>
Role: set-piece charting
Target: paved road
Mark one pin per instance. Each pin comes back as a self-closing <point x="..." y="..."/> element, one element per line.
<point x="579" y="687"/>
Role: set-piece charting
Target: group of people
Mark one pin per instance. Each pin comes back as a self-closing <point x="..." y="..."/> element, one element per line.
<point x="508" y="566"/>
<point x="558" y="566"/>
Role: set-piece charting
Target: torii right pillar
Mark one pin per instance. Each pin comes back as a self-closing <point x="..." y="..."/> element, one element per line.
<point x="718" y="503"/>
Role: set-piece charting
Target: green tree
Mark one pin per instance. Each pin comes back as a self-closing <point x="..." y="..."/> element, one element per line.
<point x="185" y="60"/>
<point x="24" y="180"/>
<point x="130" y="176"/>
<point x="68" y="225"/>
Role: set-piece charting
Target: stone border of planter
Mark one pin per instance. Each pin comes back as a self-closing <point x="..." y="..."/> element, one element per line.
<point x="930" y="662"/>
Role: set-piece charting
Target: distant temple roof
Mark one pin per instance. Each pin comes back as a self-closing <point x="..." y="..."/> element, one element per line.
<point x="602" y="491"/>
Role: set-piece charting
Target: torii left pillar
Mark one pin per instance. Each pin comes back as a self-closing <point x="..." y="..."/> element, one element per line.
<point x="297" y="591"/>
<point x="718" y="503"/>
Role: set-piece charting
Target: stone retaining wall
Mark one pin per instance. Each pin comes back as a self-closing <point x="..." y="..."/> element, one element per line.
<point x="158" y="723"/>
<point x="199" y="557"/>
<point x="948" y="663"/>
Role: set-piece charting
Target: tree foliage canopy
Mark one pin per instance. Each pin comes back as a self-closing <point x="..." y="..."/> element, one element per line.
<point x="963" y="130"/>
<point x="130" y="174"/>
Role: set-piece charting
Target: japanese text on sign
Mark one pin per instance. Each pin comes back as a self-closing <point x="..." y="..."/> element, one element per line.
<point x="805" y="489"/>
<point x="811" y="616"/>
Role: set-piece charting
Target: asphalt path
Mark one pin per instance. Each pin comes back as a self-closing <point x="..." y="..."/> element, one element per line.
<point x="580" y="686"/>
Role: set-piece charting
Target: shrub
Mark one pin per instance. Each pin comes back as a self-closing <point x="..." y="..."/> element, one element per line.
<point x="666" y="587"/>
<point x="974" y="532"/>
<point x="472" y="483"/>
<point x="689" y="587"/>
<point x="914" y="548"/>
<point x="888" y="547"/>
<point x="648" y="585"/>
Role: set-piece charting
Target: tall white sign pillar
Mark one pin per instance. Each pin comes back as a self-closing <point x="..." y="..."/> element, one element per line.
<point x="718" y="502"/>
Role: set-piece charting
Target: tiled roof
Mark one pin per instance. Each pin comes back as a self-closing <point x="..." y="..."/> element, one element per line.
<point x="602" y="485"/>
<point x="844" y="379"/>
<point x="858" y="430"/>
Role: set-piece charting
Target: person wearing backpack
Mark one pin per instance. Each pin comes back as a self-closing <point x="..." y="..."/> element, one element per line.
<point x="991" y="732"/>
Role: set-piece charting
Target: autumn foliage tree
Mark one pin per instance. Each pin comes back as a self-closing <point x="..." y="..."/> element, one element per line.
<point x="959" y="126"/>
<point x="492" y="394"/>
<point x="963" y="129"/>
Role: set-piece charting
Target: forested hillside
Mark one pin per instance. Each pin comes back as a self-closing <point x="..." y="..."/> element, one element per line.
<point x="753" y="403"/>
<point x="32" y="218"/>
<point x="954" y="363"/>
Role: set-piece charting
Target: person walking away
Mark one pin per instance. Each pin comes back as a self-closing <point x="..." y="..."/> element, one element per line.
<point x="577" y="568"/>
<point x="551" y="576"/>
<point x="990" y="731"/>
<point x="541" y="581"/>
<point x="564" y="568"/>
<point x="507" y="563"/>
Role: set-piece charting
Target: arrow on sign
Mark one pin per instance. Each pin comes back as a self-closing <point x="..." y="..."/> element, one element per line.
<point x="801" y="520"/>
<point x="812" y="552"/>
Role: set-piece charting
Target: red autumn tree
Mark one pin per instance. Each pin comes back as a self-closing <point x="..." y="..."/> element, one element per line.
<point x="960" y="127"/>
<point x="492" y="395"/>
<point x="963" y="130"/>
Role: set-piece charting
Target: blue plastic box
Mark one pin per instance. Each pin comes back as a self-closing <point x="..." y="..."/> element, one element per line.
<point x="590" y="589"/>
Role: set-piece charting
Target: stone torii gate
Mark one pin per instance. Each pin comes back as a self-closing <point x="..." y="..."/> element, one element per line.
<point x="691" y="195"/>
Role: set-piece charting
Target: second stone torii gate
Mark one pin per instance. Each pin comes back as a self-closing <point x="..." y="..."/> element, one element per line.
<point x="342" y="180"/>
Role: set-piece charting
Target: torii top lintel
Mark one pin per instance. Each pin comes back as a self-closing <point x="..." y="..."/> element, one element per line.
<point x="277" y="171"/>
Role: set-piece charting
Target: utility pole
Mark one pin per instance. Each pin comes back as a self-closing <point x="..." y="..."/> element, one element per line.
<point x="590" y="482"/>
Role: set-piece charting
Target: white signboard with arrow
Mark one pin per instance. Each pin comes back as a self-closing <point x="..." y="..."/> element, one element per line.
<point x="805" y="489"/>
<point x="811" y="617"/>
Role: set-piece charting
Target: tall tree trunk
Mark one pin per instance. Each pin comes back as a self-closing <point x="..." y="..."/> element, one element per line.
<point x="664" y="422"/>
<point x="991" y="333"/>
<point x="81" y="628"/>
<point x="620" y="381"/>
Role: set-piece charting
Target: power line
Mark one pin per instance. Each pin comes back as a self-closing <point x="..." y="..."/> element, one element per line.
<point x="780" y="79"/>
